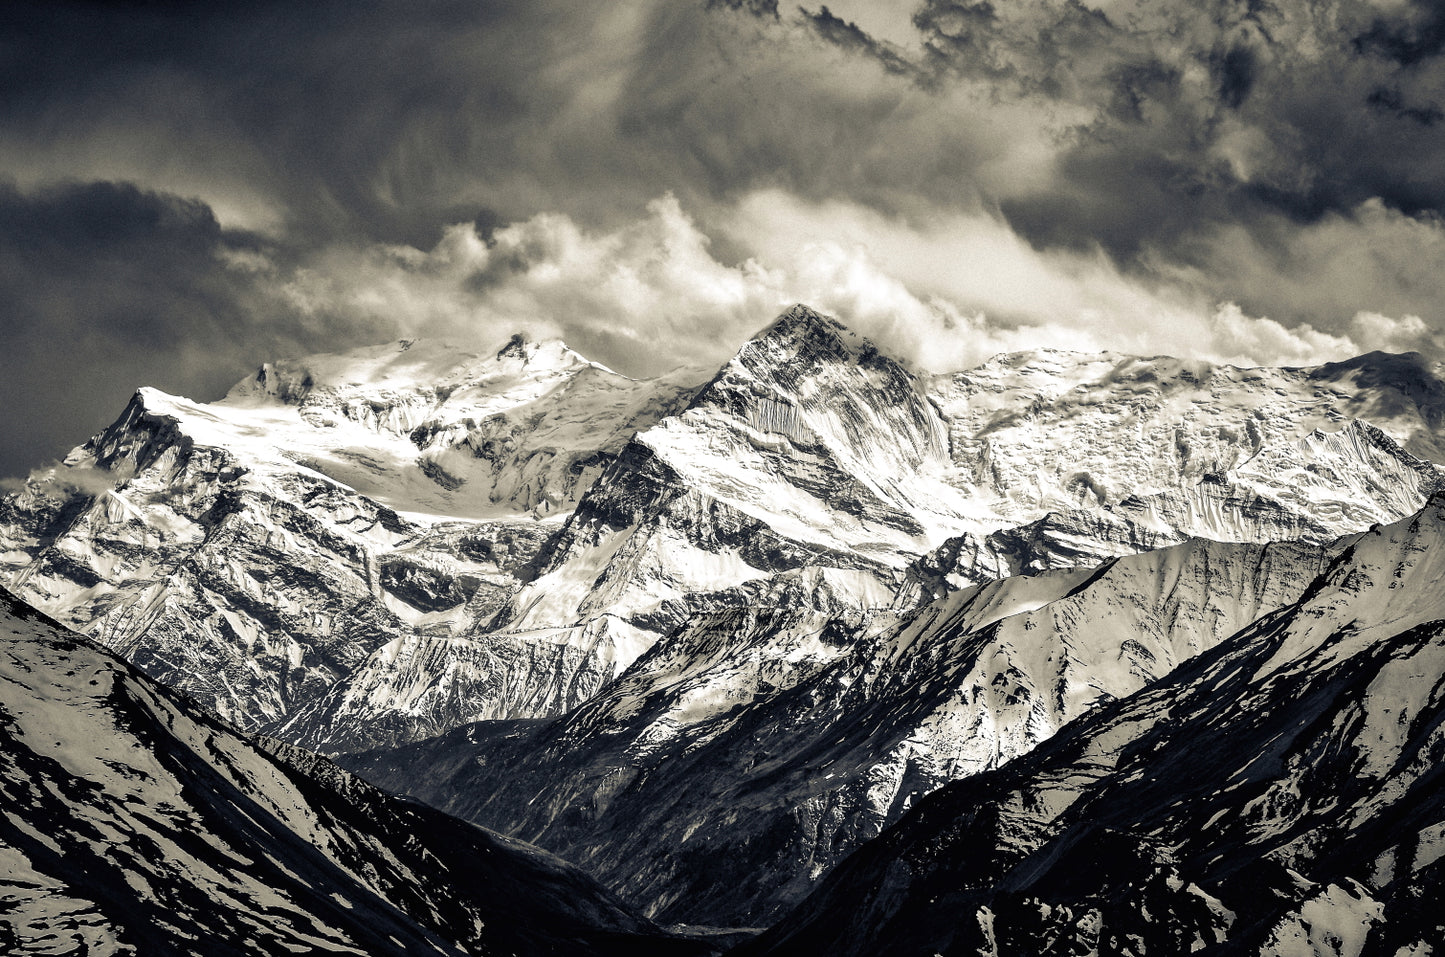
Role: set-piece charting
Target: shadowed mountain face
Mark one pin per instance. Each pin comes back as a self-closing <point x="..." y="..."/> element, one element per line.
<point x="747" y="753"/>
<point x="131" y="822"/>
<point x="1280" y="794"/>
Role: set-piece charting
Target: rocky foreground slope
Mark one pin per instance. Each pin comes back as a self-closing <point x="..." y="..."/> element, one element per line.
<point x="361" y="550"/>
<point x="133" y="823"/>
<point x="1280" y="794"/>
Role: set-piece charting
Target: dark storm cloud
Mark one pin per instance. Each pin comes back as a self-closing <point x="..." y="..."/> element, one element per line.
<point x="105" y="287"/>
<point x="1235" y="71"/>
<point x="388" y="121"/>
<point x="1409" y="38"/>
<point x="849" y="35"/>
<point x="759" y="8"/>
<point x="354" y="118"/>
<point x="1198" y="117"/>
<point x="1393" y="102"/>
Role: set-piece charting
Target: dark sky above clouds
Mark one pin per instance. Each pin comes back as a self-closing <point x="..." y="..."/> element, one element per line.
<point x="188" y="189"/>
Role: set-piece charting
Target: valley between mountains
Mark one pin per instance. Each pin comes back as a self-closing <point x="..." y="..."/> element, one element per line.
<point x="1064" y="653"/>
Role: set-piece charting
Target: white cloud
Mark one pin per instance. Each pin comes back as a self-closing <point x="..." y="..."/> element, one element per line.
<point x="1018" y="297"/>
<point x="59" y="479"/>
<point x="1246" y="340"/>
<point x="1373" y="331"/>
<point x="1370" y="261"/>
<point x="643" y="297"/>
<point x="945" y="293"/>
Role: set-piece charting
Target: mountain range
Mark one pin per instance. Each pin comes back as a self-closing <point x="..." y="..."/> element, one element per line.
<point x="817" y="640"/>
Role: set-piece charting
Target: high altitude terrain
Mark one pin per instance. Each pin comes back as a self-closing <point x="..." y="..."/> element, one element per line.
<point x="734" y="764"/>
<point x="370" y="548"/>
<point x="710" y="633"/>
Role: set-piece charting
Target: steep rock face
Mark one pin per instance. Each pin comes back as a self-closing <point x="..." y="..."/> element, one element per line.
<point x="1279" y="794"/>
<point x="747" y="753"/>
<point x="1124" y="454"/>
<point x="1047" y="429"/>
<point x="246" y="593"/>
<point x="131" y="822"/>
<point x="812" y="451"/>
<point x="808" y="449"/>
<point x="1311" y="490"/>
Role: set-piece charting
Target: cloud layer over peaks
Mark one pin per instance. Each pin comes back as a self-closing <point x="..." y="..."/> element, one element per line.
<point x="188" y="189"/>
<point x="654" y="293"/>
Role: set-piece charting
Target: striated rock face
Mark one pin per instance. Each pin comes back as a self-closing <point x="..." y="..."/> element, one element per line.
<point x="808" y="451"/>
<point x="1058" y="429"/>
<point x="1126" y="454"/>
<point x="1278" y="794"/>
<point x="132" y="822"/>
<point x="352" y="551"/>
<point x="754" y="748"/>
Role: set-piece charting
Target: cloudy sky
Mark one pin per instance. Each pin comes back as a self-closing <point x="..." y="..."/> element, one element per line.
<point x="188" y="189"/>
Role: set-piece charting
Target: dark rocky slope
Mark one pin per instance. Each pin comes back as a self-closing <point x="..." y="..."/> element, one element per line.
<point x="132" y="823"/>
<point x="1282" y="794"/>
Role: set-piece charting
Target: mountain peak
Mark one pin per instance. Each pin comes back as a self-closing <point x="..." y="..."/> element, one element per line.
<point x="1408" y="372"/>
<point x="801" y="328"/>
<point x="801" y="322"/>
<point x="406" y="364"/>
<point x="539" y="355"/>
<point x="516" y="347"/>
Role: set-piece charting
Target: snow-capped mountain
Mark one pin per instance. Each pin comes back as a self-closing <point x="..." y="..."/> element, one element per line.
<point x="131" y="822"/>
<point x="357" y="550"/>
<point x="1280" y="794"/>
<point x="254" y="550"/>
<point x="1123" y="453"/>
<point x="752" y="749"/>
<point x="808" y="455"/>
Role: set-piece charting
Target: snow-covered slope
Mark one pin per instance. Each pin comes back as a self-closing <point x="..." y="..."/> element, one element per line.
<point x="355" y="550"/>
<point x="752" y="749"/>
<point x="1123" y="453"/>
<point x="809" y="456"/>
<point x="424" y="427"/>
<point x="1058" y="430"/>
<point x="255" y="550"/>
<point x="133" y="823"/>
<point x="1281" y="794"/>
